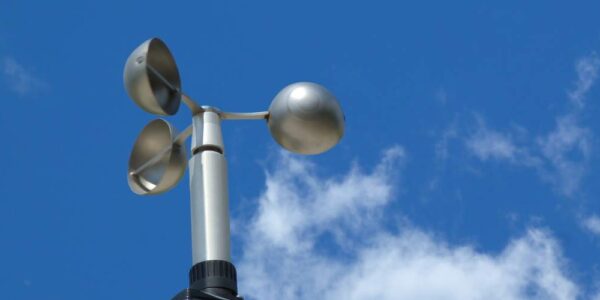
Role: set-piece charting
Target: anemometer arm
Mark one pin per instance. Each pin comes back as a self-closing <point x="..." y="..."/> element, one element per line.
<point x="261" y="115"/>
<point x="191" y="104"/>
<point x="195" y="108"/>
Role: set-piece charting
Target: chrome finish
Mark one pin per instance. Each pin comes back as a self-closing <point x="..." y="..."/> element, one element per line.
<point x="209" y="196"/>
<point x="151" y="78"/>
<point x="210" y="122"/>
<point x="306" y="118"/>
<point x="157" y="160"/>
<point x="244" y="116"/>
<point x="191" y="104"/>
<point x="179" y="139"/>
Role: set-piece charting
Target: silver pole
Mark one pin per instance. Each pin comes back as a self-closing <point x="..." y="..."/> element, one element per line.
<point x="208" y="190"/>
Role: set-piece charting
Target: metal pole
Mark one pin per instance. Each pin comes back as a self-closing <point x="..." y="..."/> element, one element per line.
<point x="208" y="189"/>
<point x="212" y="271"/>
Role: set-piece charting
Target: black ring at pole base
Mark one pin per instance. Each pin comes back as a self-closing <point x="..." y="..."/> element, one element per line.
<point x="214" y="274"/>
<point x="190" y="294"/>
<point x="211" y="280"/>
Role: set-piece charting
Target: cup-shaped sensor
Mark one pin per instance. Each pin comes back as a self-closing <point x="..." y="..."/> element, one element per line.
<point x="157" y="160"/>
<point x="151" y="78"/>
<point x="306" y="118"/>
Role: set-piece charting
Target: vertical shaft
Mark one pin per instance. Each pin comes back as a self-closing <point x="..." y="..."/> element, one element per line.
<point x="208" y="189"/>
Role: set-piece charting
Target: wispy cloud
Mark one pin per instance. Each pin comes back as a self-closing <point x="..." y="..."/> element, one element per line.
<point x="587" y="73"/>
<point x="297" y="202"/>
<point x="19" y="79"/>
<point x="568" y="151"/>
<point x="592" y="224"/>
<point x="299" y="212"/>
<point x="562" y="155"/>
<point x="568" y="147"/>
<point x="489" y="144"/>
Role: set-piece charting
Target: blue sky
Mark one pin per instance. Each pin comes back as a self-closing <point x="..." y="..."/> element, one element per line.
<point x="469" y="167"/>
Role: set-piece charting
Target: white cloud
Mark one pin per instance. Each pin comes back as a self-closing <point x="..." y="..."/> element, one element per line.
<point x="299" y="212"/>
<point x="568" y="150"/>
<point x="592" y="224"/>
<point x="489" y="144"/>
<point x="587" y="73"/>
<point x="560" y="156"/>
<point x="415" y="266"/>
<point x="293" y="193"/>
<point x="568" y="147"/>
<point x="19" y="79"/>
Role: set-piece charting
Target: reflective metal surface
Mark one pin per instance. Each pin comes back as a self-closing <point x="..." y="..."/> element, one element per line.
<point x="208" y="190"/>
<point x="244" y="116"/>
<point x="158" y="159"/>
<point x="191" y="104"/>
<point x="151" y="78"/>
<point x="306" y="118"/>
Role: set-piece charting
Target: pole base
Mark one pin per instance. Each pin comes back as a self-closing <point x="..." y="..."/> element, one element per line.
<point x="214" y="274"/>
<point x="191" y="294"/>
<point x="211" y="280"/>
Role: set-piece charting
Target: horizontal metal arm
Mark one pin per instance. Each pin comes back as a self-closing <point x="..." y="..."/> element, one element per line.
<point x="191" y="104"/>
<point x="180" y="138"/>
<point x="244" y="116"/>
<point x="195" y="108"/>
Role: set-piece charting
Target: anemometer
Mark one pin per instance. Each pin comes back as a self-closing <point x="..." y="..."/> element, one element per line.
<point x="303" y="118"/>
